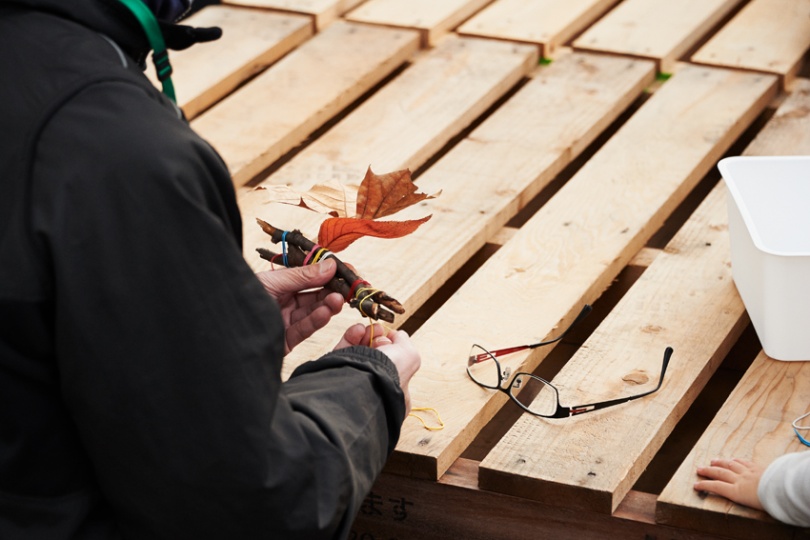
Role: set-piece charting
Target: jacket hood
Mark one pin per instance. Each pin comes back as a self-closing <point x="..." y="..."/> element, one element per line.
<point x="108" y="17"/>
<point x="111" y="18"/>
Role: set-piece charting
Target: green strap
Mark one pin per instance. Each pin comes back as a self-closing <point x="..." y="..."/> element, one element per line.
<point x="160" y="56"/>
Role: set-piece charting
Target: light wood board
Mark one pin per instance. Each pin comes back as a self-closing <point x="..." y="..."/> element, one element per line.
<point x="766" y="35"/>
<point x="546" y="23"/>
<point x="571" y="249"/>
<point x="661" y="30"/>
<point x="414" y="115"/>
<point x="685" y="299"/>
<point x="251" y="40"/>
<point x="432" y="18"/>
<point x="754" y="423"/>
<point x="278" y="109"/>
<point x="484" y="180"/>
<point x="323" y="12"/>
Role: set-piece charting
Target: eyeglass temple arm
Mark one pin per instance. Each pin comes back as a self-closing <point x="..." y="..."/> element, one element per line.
<point x="586" y="309"/>
<point x="563" y="412"/>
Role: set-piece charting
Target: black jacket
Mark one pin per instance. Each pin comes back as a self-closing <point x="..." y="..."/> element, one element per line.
<point x="140" y="358"/>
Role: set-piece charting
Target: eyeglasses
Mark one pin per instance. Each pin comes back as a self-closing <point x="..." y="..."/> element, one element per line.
<point x="532" y="393"/>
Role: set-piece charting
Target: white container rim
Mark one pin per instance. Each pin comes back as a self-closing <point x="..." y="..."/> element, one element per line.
<point x="723" y="165"/>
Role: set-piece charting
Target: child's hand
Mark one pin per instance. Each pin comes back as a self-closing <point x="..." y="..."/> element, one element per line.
<point x="735" y="479"/>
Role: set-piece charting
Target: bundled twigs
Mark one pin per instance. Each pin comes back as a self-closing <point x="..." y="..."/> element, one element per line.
<point x="298" y="250"/>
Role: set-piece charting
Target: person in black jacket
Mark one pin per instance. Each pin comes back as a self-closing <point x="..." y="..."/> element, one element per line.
<point x="140" y="357"/>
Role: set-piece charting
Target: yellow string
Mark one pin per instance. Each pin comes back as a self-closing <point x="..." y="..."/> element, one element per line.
<point x="427" y="409"/>
<point x="361" y="300"/>
<point x="319" y="254"/>
<point x="371" y="327"/>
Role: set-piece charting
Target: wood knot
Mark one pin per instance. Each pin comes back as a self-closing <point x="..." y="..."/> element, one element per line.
<point x="636" y="377"/>
<point x="651" y="329"/>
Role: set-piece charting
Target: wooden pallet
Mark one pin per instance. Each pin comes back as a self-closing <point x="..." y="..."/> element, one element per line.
<point x="546" y="23"/>
<point x="586" y="179"/>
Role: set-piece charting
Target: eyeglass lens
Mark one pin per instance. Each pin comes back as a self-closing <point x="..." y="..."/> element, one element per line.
<point x="484" y="368"/>
<point x="535" y="395"/>
<point x="532" y="393"/>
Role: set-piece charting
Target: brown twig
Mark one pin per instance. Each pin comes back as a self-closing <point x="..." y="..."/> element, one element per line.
<point x="369" y="304"/>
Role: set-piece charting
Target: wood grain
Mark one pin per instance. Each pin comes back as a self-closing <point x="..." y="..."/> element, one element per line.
<point x="486" y="178"/>
<point x="754" y="423"/>
<point x="251" y="40"/>
<point x="433" y="19"/>
<point x="546" y="23"/>
<point x="570" y="250"/>
<point x="766" y="35"/>
<point x="661" y="30"/>
<point x="278" y="109"/>
<point x="323" y="12"/>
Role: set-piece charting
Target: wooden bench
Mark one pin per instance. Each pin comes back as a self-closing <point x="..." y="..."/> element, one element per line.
<point x="586" y="179"/>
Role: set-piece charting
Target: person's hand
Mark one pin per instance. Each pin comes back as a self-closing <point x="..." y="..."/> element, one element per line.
<point x="396" y="344"/>
<point x="303" y="312"/>
<point x="735" y="479"/>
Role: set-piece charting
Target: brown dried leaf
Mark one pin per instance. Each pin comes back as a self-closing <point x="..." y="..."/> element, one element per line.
<point x="386" y="194"/>
<point x="331" y="198"/>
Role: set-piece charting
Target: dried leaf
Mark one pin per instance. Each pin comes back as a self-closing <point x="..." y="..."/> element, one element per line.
<point x="331" y="198"/>
<point x="336" y="234"/>
<point x="386" y="194"/>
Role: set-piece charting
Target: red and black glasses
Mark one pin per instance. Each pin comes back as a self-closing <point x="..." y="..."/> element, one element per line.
<point x="532" y="393"/>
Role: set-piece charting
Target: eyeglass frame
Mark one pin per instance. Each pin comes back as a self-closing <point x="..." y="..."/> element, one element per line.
<point x="560" y="412"/>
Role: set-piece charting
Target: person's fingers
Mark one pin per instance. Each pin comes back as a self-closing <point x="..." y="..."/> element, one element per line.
<point x="740" y="465"/>
<point x="715" y="472"/>
<point x="374" y="332"/>
<point x="716" y="487"/>
<point x="719" y="462"/>
<point x="380" y="341"/>
<point x="306" y="321"/>
<point x="352" y="336"/>
<point x="291" y="280"/>
<point x="304" y="305"/>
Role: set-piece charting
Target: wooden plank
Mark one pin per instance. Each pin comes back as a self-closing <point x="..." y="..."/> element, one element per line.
<point x="686" y="299"/>
<point x="323" y="12"/>
<point x="788" y="130"/>
<point x="545" y="23"/>
<point x="454" y="507"/>
<point x="251" y="40"/>
<point x="766" y="35"/>
<point x="754" y="423"/>
<point x="433" y="19"/>
<point x="485" y="179"/>
<point x="414" y="115"/>
<point x="571" y="250"/>
<point x="278" y="109"/>
<point x="661" y="30"/>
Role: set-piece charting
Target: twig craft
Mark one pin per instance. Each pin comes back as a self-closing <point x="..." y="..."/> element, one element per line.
<point x="297" y="250"/>
<point x="376" y="197"/>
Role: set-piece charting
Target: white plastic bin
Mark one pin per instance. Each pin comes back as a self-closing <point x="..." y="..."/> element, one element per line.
<point x="769" y="226"/>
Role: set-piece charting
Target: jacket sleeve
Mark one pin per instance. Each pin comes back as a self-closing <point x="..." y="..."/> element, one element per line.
<point x="784" y="489"/>
<point x="170" y="350"/>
